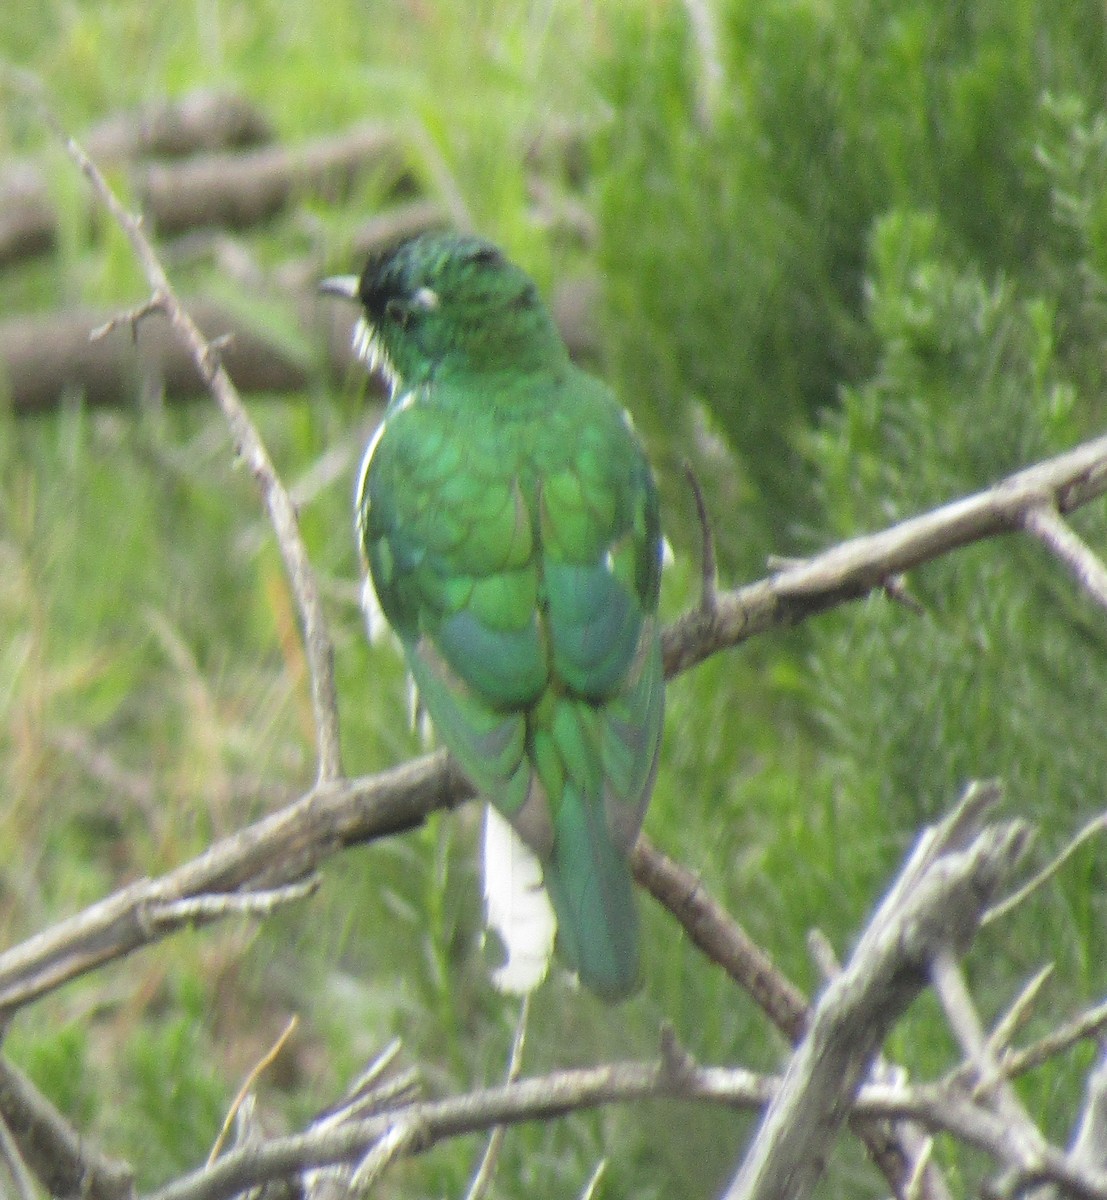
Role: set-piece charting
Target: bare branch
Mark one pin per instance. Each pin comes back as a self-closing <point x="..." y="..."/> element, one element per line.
<point x="248" y="1084"/>
<point x="945" y="1110"/>
<point x="193" y="910"/>
<point x="935" y="903"/>
<point x="989" y="1082"/>
<point x="709" y="570"/>
<point x="1018" y="1012"/>
<point x="437" y="1120"/>
<point x="281" y="848"/>
<point x="16" y="1167"/>
<point x="901" y="1150"/>
<point x="1089" y="1147"/>
<point x="55" y="1152"/>
<point x="1045" y="523"/>
<point x="720" y="937"/>
<point x="1095" y="826"/>
<point x="1089" y="1024"/>
<point x="249" y="447"/>
<point x="416" y="1127"/>
<point x="862" y="565"/>
<point x="483" y="1178"/>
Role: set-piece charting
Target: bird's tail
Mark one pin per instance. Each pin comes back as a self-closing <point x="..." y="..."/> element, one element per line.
<point x="589" y="883"/>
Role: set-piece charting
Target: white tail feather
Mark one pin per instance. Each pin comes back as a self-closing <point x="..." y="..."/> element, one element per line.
<point x="516" y="907"/>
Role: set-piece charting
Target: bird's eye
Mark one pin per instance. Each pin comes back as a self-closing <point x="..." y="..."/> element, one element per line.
<point x="398" y="312"/>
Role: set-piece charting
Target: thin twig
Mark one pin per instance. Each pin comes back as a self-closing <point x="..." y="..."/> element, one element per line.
<point x="17" y="1169"/>
<point x="1089" y="1024"/>
<point x="196" y="909"/>
<point x="937" y="1109"/>
<point x="399" y="1140"/>
<point x="1046" y="524"/>
<point x="1095" y="826"/>
<point x="248" y="1085"/>
<point x="990" y="1084"/>
<point x="436" y="1120"/>
<point x="709" y="570"/>
<point x="250" y="448"/>
<point x="365" y="1085"/>
<point x="916" y="1185"/>
<point x="895" y="588"/>
<point x="483" y="1177"/>
<point x="60" y="1158"/>
<point x="1017" y="1013"/>
<point x="862" y="565"/>
<point x="1089" y="1145"/>
<point x="132" y="318"/>
<point x="594" y="1180"/>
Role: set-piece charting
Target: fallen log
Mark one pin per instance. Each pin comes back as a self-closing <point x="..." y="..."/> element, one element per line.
<point x="199" y="121"/>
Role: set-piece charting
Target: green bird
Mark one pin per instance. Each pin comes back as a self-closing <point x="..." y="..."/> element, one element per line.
<point x="509" y="520"/>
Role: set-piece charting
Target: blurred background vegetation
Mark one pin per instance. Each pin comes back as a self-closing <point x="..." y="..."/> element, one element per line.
<point x="852" y="262"/>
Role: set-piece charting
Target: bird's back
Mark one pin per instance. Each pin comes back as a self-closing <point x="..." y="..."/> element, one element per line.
<point x="513" y="540"/>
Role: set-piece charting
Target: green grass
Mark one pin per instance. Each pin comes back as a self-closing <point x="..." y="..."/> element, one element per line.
<point x="854" y="292"/>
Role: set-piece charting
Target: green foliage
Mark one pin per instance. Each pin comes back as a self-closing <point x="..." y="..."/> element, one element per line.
<point x="175" y="1096"/>
<point x="861" y="276"/>
<point x="734" y="237"/>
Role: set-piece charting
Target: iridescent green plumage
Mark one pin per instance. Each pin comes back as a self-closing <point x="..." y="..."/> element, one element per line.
<point x="509" y="521"/>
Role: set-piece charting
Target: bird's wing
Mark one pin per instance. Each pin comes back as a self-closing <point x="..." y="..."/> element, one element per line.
<point x="450" y="547"/>
<point x="526" y="604"/>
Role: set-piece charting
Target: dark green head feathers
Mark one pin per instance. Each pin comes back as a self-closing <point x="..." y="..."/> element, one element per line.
<point x="441" y="305"/>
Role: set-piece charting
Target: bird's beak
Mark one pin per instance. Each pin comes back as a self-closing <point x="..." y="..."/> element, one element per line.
<point x="345" y="286"/>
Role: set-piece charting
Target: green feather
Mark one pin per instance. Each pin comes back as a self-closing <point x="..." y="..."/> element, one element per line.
<point x="590" y="886"/>
<point x="510" y="524"/>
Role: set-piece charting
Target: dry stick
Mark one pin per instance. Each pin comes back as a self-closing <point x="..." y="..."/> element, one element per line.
<point x="63" y="1162"/>
<point x="1029" y="1150"/>
<point x="280" y="848"/>
<point x="989" y="1083"/>
<point x="1095" y="826"/>
<point x="1018" y="1012"/>
<point x="404" y="1137"/>
<point x="434" y="1121"/>
<point x="1045" y="523"/>
<point x="1089" y="1024"/>
<point x="709" y="570"/>
<point x="483" y="1178"/>
<point x="936" y="1108"/>
<point x="906" y="1149"/>
<point x="936" y="902"/>
<point x="862" y="565"/>
<point x="944" y="1110"/>
<point x="1089" y="1147"/>
<point x="16" y="1167"/>
<point x="196" y="910"/>
<point x="248" y="1083"/>
<point x="250" y="448"/>
<point x="720" y="937"/>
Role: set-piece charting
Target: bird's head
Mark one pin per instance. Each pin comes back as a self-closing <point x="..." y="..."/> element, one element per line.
<point x="443" y="305"/>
